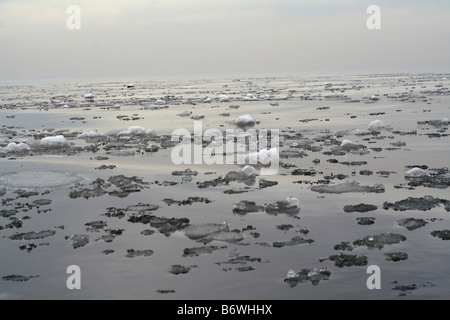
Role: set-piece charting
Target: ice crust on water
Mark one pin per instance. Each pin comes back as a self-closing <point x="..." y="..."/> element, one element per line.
<point x="376" y="125"/>
<point x="54" y="142"/>
<point x="39" y="179"/>
<point x="348" y="187"/>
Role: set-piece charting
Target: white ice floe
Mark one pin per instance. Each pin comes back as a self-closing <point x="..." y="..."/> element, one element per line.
<point x="54" y="142"/>
<point x="335" y="94"/>
<point x="445" y="120"/>
<point x="130" y="85"/>
<point x="292" y="201"/>
<point x="91" y="134"/>
<point x="415" y="172"/>
<point x="345" y="142"/>
<point x="245" y="121"/>
<point x="202" y="230"/>
<point x="160" y="101"/>
<point x="135" y="131"/>
<point x="207" y="100"/>
<point x="376" y="125"/>
<point x="16" y="147"/>
<point x="358" y="131"/>
<point x="291" y="274"/>
<point x="247" y="171"/>
<point x="89" y="96"/>
<point x="39" y="179"/>
<point x="224" y="98"/>
<point x="250" y="97"/>
<point x="374" y="98"/>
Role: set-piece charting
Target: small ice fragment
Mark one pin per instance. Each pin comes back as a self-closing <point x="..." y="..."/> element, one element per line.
<point x="16" y="147"/>
<point x="248" y="171"/>
<point x="130" y="85"/>
<point x="291" y="274"/>
<point x="374" y="98"/>
<point x="445" y="121"/>
<point x="415" y="172"/>
<point x="224" y="98"/>
<point x="198" y="117"/>
<point x="375" y="125"/>
<point x="245" y="120"/>
<point x="91" y="134"/>
<point x="133" y="131"/>
<point x="344" y="142"/>
<point x="54" y="142"/>
<point x="184" y="114"/>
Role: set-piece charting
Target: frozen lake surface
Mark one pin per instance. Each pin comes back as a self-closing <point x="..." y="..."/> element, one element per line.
<point x="87" y="179"/>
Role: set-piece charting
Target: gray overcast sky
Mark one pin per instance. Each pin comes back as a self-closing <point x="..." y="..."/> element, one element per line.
<point x="151" y="38"/>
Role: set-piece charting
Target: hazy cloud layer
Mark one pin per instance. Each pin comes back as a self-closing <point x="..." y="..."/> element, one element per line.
<point x="142" y="38"/>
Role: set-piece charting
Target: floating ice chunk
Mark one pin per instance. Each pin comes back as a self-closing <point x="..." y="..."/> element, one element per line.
<point x="160" y="102"/>
<point x="291" y="274"/>
<point x="130" y="85"/>
<point x="348" y="187"/>
<point x="184" y="114"/>
<point x="292" y="201"/>
<point x="224" y="98"/>
<point x="89" y="97"/>
<point x="335" y="94"/>
<point x="133" y="131"/>
<point x="91" y="134"/>
<point x="151" y="132"/>
<point x="248" y="171"/>
<point x="358" y="131"/>
<point x="16" y="147"/>
<point x="199" y="231"/>
<point x="245" y="121"/>
<point x="226" y="236"/>
<point x="445" y="121"/>
<point x="39" y="179"/>
<point x="250" y="97"/>
<point x="374" y="98"/>
<point x="415" y="172"/>
<point x="290" y="205"/>
<point x="198" y="117"/>
<point x="65" y="106"/>
<point x="54" y="142"/>
<point x="207" y="100"/>
<point x="345" y="142"/>
<point x="376" y="125"/>
<point x="245" y="173"/>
